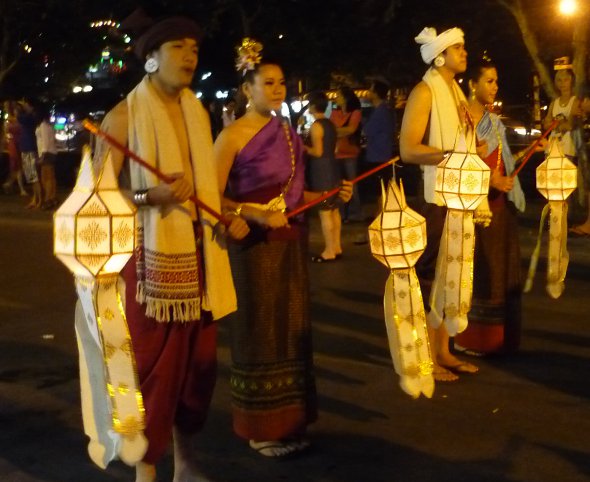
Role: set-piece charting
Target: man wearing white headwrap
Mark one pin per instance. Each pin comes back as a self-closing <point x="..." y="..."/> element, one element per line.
<point x="435" y="112"/>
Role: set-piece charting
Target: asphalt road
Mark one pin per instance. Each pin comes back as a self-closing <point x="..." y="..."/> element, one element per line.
<point x="522" y="418"/>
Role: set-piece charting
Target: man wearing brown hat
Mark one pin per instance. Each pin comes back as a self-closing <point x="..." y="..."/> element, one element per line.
<point x="179" y="281"/>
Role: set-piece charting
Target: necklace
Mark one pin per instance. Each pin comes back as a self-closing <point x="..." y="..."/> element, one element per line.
<point x="279" y="200"/>
<point x="500" y="146"/>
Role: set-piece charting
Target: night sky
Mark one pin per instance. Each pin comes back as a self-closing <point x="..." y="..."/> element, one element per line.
<point x="360" y="38"/>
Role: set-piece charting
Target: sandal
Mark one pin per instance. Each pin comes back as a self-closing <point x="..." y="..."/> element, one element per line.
<point x="275" y="448"/>
<point x="321" y="259"/>
<point x="461" y="367"/>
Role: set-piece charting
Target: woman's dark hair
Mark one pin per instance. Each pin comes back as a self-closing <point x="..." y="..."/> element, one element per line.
<point x="318" y="100"/>
<point x="248" y="77"/>
<point x="476" y="68"/>
<point x="351" y="101"/>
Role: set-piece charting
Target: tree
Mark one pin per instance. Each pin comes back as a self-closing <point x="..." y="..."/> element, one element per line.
<point x="522" y="13"/>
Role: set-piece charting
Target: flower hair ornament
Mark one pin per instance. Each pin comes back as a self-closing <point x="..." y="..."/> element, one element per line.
<point x="248" y="55"/>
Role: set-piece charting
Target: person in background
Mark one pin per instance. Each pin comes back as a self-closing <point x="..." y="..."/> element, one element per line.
<point x="12" y="133"/>
<point x="380" y="130"/>
<point x="347" y="120"/>
<point x="47" y="151"/>
<point x="25" y="115"/>
<point x="322" y="175"/>
<point x="229" y="115"/>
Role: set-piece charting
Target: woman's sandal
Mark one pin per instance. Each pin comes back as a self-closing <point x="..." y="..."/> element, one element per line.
<point x="277" y="448"/>
<point x="321" y="259"/>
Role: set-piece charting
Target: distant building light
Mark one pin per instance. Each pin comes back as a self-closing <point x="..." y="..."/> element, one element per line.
<point x="87" y="88"/>
<point x="460" y="81"/>
<point x="199" y="94"/>
<point x="77" y="89"/>
<point x="221" y="94"/>
<point x="46" y="65"/>
<point x="127" y="39"/>
<point x="60" y="120"/>
<point x="281" y="35"/>
<point x="46" y="79"/>
<point x="206" y="75"/>
<point x="93" y="69"/>
<point x="27" y="48"/>
<point x="106" y="54"/>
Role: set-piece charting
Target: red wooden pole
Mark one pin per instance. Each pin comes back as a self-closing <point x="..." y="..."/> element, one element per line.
<point x="330" y="193"/>
<point x="531" y="150"/>
<point x="159" y="174"/>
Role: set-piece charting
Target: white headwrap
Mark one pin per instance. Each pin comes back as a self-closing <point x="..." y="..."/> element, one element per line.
<point x="432" y="45"/>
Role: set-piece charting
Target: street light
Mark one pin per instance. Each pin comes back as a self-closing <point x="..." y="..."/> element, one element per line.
<point x="568" y="7"/>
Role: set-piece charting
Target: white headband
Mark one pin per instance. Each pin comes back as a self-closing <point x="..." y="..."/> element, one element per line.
<point x="432" y="45"/>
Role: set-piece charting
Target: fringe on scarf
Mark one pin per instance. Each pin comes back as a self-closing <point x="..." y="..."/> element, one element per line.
<point x="182" y="311"/>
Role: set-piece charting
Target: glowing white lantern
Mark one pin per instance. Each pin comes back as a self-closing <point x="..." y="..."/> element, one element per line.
<point x="398" y="234"/>
<point x="462" y="179"/>
<point x="557" y="178"/>
<point x="462" y="182"/>
<point x="397" y="239"/>
<point x="94" y="236"/>
<point x="94" y="228"/>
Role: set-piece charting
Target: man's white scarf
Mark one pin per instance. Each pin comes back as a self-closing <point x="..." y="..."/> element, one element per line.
<point x="168" y="282"/>
<point x="445" y="124"/>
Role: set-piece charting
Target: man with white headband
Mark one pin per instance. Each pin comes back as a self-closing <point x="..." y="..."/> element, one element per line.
<point x="434" y="114"/>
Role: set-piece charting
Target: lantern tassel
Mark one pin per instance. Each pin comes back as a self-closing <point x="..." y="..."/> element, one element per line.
<point x="407" y="334"/>
<point x="528" y="285"/>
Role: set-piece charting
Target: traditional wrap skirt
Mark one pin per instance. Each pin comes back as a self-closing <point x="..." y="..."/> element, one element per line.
<point x="177" y="369"/>
<point x="496" y="312"/>
<point x="272" y="382"/>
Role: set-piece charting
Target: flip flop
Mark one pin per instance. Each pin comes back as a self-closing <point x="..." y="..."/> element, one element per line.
<point x="321" y="259"/>
<point x="462" y="367"/>
<point x="275" y="448"/>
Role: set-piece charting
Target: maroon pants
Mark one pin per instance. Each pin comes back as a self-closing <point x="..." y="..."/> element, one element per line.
<point x="177" y="367"/>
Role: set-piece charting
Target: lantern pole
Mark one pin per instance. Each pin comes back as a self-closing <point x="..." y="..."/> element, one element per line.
<point x="334" y="191"/>
<point x="530" y="150"/>
<point x="159" y="174"/>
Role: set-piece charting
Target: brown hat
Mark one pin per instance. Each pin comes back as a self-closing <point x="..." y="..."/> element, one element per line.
<point x="151" y="33"/>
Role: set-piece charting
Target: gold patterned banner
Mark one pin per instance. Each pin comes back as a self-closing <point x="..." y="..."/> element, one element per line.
<point x="112" y="406"/>
<point x="407" y="334"/>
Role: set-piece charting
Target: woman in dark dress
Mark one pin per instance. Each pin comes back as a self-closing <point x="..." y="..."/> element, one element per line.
<point x="322" y="175"/>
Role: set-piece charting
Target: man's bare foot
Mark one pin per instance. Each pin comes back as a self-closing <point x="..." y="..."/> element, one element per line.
<point x="145" y="472"/>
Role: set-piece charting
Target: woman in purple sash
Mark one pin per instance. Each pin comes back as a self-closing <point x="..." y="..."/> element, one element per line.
<point x="261" y="175"/>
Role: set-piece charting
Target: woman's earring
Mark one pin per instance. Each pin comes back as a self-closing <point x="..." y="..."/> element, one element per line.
<point x="151" y="65"/>
<point x="439" y="61"/>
